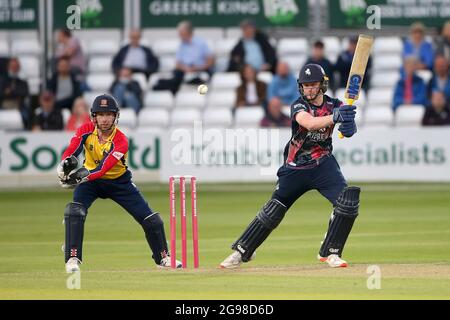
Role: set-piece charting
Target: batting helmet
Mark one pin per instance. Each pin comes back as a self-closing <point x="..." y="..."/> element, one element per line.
<point x="312" y="73"/>
<point x="104" y="103"/>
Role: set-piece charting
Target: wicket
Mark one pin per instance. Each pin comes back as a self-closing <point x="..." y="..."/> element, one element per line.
<point x="173" y="220"/>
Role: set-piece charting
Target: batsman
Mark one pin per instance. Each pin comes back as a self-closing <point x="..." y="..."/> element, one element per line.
<point x="104" y="174"/>
<point x="308" y="165"/>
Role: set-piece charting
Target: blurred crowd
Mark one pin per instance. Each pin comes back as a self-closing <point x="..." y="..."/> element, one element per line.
<point x="195" y="64"/>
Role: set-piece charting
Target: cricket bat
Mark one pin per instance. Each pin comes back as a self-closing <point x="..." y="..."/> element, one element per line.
<point x="357" y="70"/>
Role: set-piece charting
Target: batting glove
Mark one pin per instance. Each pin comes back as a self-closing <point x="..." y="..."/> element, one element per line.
<point x="344" y="114"/>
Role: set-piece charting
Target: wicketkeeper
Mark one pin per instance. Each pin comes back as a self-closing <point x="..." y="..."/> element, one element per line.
<point x="308" y="164"/>
<point x="104" y="174"/>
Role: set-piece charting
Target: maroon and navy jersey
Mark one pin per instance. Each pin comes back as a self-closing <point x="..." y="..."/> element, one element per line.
<point x="306" y="148"/>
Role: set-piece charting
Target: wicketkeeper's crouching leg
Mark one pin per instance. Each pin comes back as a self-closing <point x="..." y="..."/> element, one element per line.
<point x="153" y="227"/>
<point x="341" y="222"/>
<point x="74" y="218"/>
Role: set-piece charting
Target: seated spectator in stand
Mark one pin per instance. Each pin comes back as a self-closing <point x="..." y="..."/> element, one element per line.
<point x="274" y="116"/>
<point x="440" y="80"/>
<point x="136" y="57"/>
<point x="251" y="92"/>
<point x="14" y="92"/>
<point x="50" y="118"/>
<point x="64" y="85"/>
<point x="194" y="59"/>
<point x="410" y="89"/>
<point x="127" y="91"/>
<point x="344" y="63"/>
<point x="283" y="85"/>
<point x="68" y="46"/>
<point x="417" y="46"/>
<point x="443" y="42"/>
<point x="318" y="57"/>
<point x="254" y="49"/>
<point x="438" y="113"/>
<point x="80" y="115"/>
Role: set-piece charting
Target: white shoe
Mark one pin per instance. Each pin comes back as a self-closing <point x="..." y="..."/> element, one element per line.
<point x="165" y="263"/>
<point x="234" y="260"/>
<point x="333" y="261"/>
<point x="73" y="265"/>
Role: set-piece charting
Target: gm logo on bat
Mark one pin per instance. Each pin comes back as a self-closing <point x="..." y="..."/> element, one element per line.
<point x="354" y="85"/>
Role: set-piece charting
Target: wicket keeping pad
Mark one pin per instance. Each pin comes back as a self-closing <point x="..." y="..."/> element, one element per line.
<point x="341" y="222"/>
<point x="268" y="218"/>
<point x="74" y="217"/>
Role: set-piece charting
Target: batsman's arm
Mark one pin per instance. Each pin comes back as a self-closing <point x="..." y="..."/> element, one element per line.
<point x="311" y="123"/>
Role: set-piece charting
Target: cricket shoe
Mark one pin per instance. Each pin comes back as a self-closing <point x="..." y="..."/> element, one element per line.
<point x="234" y="260"/>
<point x="165" y="263"/>
<point x="333" y="261"/>
<point x="73" y="265"/>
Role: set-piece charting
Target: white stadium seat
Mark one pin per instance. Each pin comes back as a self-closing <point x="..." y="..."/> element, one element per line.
<point x="167" y="63"/>
<point x="209" y="33"/>
<point x="66" y="115"/>
<point x="409" y="115"/>
<point x="100" y="82"/>
<point x="221" y="63"/>
<point x="291" y="46"/>
<point x="159" y="99"/>
<point x="378" y="117"/>
<point x="233" y="32"/>
<point x="383" y="45"/>
<point x="29" y="66"/>
<point x="223" y="47"/>
<point x="152" y="34"/>
<point x="265" y="76"/>
<point x="154" y="118"/>
<point x="10" y="120"/>
<point x="225" y="80"/>
<point x="332" y="46"/>
<point x="127" y="118"/>
<point x="169" y="46"/>
<point x="185" y="118"/>
<point x="387" y="62"/>
<point x="380" y="96"/>
<point x="25" y="47"/>
<point x="189" y="100"/>
<point x="93" y="34"/>
<point x="248" y="117"/>
<point x="222" y="99"/>
<point x="100" y="64"/>
<point x="141" y="79"/>
<point x="4" y="48"/>
<point x="384" y="79"/>
<point x="425" y="75"/>
<point x="103" y="47"/>
<point x="34" y="85"/>
<point x="218" y="118"/>
<point x="295" y="62"/>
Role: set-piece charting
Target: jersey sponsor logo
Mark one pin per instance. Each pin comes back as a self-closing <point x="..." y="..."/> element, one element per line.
<point x="298" y="106"/>
<point x="118" y="155"/>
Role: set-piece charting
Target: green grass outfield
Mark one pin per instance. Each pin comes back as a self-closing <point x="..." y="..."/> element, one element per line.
<point x="402" y="228"/>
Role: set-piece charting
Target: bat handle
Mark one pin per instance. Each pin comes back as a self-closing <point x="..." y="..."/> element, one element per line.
<point x="349" y="102"/>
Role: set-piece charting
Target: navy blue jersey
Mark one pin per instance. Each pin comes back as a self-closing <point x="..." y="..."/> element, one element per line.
<point x="306" y="148"/>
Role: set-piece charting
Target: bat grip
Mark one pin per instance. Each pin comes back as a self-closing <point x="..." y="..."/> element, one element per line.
<point x="349" y="103"/>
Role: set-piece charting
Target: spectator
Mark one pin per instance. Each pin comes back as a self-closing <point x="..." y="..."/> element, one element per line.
<point x="344" y="63"/>
<point x="193" y="60"/>
<point x="251" y="92"/>
<point x="318" y="57"/>
<point x="274" y="116"/>
<point x="50" y="118"/>
<point x="254" y="49"/>
<point x="136" y="57"/>
<point x="417" y="46"/>
<point x="438" y="113"/>
<point x="80" y="115"/>
<point x="14" y="92"/>
<point x="127" y="91"/>
<point x="440" y="80"/>
<point x="410" y="89"/>
<point x="69" y="47"/>
<point x="443" y="43"/>
<point x="283" y="85"/>
<point x="64" y="85"/>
